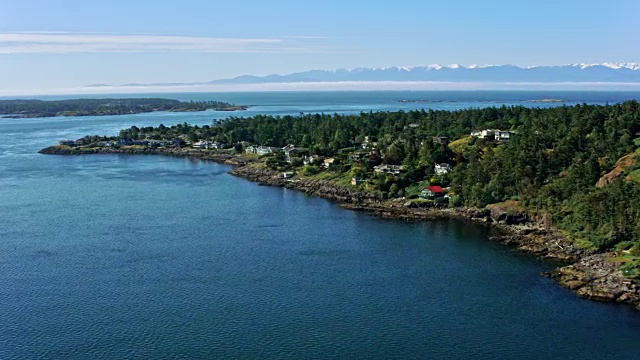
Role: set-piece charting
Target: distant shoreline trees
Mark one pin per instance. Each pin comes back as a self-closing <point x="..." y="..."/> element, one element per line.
<point x="99" y="107"/>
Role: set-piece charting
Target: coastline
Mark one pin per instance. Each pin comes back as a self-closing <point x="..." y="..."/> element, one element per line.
<point x="588" y="274"/>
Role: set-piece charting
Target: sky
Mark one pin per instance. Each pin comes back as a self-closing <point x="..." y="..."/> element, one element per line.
<point x="64" y="44"/>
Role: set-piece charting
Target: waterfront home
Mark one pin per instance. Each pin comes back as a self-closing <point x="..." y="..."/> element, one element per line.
<point x="140" y="142"/>
<point x="287" y="175"/>
<point x="388" y="169"/>
<point x="157" y="143"/>
<point x="442" y="169"/>
<point x="178" y="142"/>
<point x="264" y="150"/>
<point x="288" y="150"/>
<point x="202" y="144"/>
<point x="431" y="192"/>
<point x="328" y="162"/>
<point x="251" y="149"/>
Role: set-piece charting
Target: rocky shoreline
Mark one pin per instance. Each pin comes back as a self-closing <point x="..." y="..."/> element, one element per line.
<point x="588" y="274"/>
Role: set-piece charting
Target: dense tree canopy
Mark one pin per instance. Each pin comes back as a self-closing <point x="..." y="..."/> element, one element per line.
<point x="550" y="167"/>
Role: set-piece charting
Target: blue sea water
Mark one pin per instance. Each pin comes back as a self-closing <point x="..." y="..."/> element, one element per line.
<point x="138" y="257"/>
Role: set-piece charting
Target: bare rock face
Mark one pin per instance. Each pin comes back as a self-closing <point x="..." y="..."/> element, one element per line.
<point x="622" y="163"/>
<point x="509" y="216"/>
<point x="498" y="214"/>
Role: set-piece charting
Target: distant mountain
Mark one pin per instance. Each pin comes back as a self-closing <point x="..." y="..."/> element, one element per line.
<point x="606" y="72"/>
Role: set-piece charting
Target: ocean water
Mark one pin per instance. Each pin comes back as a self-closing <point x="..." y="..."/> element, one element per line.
<point x="137" y="257"/>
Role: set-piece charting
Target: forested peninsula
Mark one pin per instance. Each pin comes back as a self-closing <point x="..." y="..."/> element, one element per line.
<point x="564" y="179"/>
<point x="99" y="107"/>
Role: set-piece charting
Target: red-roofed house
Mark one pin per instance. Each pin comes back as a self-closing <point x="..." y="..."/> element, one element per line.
<point x="432" y="191"/>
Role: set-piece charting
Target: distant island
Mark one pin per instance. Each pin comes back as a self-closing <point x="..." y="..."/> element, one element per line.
<point x="18" y="108"/>
<point x="546" y="101"/>
<point x="423" y="101"/>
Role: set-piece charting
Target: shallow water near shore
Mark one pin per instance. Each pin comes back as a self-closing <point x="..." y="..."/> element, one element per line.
<point x="111" y="256"/>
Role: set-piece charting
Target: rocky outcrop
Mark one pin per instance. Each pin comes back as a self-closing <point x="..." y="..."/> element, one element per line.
<point x="219" y="157"/>
<point x="597" y="277"/>
<point x="546" y="243"/>
<point x="508" y="213"/>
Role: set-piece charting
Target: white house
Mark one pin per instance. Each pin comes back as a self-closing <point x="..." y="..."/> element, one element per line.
<point x="498" y="135"/>
<point x="388" y="169"/>
<point x="252" y="149"/>
<point x="504" y="135"/>
<point x="202" y="144"/>
<point x="442" y="169"/>
<point x="264" y="150"/>
<point x="483" y="134"/>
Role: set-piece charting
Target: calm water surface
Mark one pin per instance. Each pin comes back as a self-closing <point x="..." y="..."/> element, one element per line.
<point x="149" y="257"/>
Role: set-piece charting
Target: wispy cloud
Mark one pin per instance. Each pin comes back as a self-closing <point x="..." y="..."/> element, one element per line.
<point x="62" y="42"/>
<point x="330" y="86"/>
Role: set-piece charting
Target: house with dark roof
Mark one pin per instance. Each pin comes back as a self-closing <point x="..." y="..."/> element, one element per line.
<point x="442" y="140"/>
<point x="388" y="169"/>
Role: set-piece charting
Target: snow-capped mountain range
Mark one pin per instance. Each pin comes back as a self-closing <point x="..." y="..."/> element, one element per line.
<point x="592" y="73"/>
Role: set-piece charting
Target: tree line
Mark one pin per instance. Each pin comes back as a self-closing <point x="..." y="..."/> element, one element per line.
<point x="98" y="107"/>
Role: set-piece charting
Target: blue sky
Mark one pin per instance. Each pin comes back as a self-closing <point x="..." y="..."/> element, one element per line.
<point x="48" y="44"/>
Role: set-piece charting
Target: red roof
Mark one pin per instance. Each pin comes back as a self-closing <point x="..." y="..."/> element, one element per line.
<point x="435" y="189"/>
